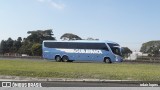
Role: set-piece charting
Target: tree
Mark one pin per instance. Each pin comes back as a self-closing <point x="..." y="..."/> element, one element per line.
<point x="9" y="45"/>
<point x="3" y="47"/>
<point x="90" y="38"/>
<point x="19" y="39"/>
<point x="16" y="46"/>
<point x="40" y="35"/>
<point x="30" y="45"/>
<point x="36" y="49"/>
<point x="126" y="51"/>
<point x="25" y="48"/>
<point x="70" y="36"/>
<point x="151" y="47"/>
<point x="31" y="42"/>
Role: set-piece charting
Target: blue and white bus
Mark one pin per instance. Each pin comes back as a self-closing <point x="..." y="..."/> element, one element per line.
<point x="67" y="51"/>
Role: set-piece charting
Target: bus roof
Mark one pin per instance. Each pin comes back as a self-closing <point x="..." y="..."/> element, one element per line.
<point x="86" y="41"/>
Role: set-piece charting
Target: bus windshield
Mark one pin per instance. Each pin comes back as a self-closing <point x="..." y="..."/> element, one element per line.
<point x="115" y="48"/>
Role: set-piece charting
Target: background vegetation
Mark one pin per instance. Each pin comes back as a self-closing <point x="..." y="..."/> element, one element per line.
<point x="31" y="45"/>
<point x="151" y="47"/>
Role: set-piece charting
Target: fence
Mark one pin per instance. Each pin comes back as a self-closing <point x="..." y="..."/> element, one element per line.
<point x="149" y="59"/>
<point x="145" y="59"/>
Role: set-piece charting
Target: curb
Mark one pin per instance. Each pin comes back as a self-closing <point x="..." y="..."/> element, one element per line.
<point x="20" y="78"/>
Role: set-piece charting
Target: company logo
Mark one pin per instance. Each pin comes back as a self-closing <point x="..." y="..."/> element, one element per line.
<point x="6" y="84"/>
<point x="89" y="51"/>
<point x="20" y="84"/>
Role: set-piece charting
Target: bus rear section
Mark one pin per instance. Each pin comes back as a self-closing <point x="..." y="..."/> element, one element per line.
<point x="78" y="51"/>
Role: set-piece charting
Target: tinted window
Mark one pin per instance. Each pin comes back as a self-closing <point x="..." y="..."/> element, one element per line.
<point x="51" y="44"/>
<point x="74" y="45"/>
<point x="82" y="46"/>
<point x="63" y="45"/>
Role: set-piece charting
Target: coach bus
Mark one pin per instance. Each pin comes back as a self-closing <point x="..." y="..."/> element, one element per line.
<point x="68" y="51"/>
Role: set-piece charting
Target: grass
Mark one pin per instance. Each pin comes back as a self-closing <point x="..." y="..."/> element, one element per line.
<point x="115" y="71"/>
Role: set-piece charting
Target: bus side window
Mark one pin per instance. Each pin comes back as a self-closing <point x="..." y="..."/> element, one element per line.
<point x="104" y="47"/>
<point x="64" y="45"/>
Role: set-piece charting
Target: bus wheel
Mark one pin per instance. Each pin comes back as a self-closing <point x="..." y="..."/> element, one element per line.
<point x="58" y="58"/>
<point x="65" y="59"/>
<point x="70" y="60"/>
<point x="107" y="60"/>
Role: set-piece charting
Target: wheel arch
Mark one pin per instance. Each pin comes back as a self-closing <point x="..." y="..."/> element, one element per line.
<point x="57" y="55"/>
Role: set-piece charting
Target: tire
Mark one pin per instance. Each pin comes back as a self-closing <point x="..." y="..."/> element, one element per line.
<point x="107" y="60"/>
<point x="58" y="58"/>
<point x="70" y="60"/>
<point x="65" y="59"/>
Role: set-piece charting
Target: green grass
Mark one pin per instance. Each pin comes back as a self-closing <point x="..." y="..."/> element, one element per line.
<point x="115" y="71"/>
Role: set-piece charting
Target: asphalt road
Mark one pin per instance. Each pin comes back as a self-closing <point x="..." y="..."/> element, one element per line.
<point x="108" y="83"/>
<point x="75" y="84"/>
<point x="87" y="84"/>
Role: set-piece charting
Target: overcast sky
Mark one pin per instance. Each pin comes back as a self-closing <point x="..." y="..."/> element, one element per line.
<point x="127" y="22"/>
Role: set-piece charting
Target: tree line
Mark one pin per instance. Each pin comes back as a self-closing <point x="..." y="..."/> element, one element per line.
<point x="151" y="47"/>
<point x="32" y="44"/>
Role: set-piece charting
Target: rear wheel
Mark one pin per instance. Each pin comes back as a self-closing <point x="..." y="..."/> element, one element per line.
<point x="58" y="58"/>
<point x="65" y="59"/>
<point x="107" y="60"/>
<point x="70" y="60"/>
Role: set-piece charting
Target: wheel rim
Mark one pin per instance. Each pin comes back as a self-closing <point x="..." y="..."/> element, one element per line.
<point x="58" y="59"/>
<point x="65" y="59"/>
<point x="107" y="60"/>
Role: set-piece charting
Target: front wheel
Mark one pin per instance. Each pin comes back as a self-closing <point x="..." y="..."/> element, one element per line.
<point x="107" y="60"/>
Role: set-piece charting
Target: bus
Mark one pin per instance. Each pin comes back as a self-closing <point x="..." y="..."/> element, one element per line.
<point x="81" y="50"/>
